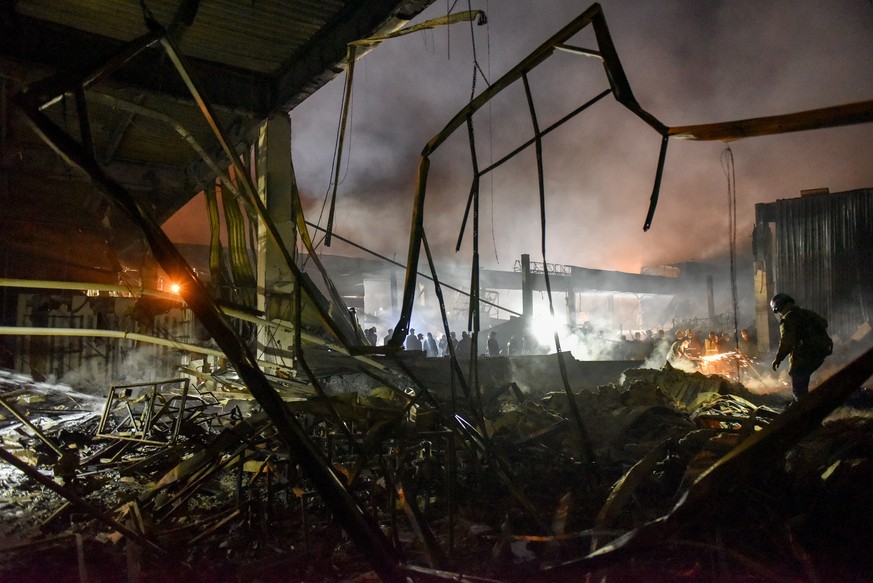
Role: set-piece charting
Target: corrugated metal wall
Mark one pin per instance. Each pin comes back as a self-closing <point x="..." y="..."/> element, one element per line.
<point x="824" y="255"/>
<point x="96" y="362"/>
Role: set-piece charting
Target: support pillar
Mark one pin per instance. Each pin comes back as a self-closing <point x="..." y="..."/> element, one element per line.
<point x="393" y="309"/>
<point x="526" y="288"/>
<point x="275" y="175"/>
<point x="710" y="302"/>
<point x="571" y="303"/>
<point x="610" y="309"/>
<point x="766" y="327"/>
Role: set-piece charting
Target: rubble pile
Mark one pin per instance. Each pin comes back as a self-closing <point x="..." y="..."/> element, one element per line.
<point x="189" y="480"/>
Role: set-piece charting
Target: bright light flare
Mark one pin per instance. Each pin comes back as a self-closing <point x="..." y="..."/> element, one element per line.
<point x="175" y="288"/>
<point x="543" y="328"/>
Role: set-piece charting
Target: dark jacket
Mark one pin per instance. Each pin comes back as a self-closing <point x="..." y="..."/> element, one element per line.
<point x="799" y="339"/>
<point x="493" y="346"/>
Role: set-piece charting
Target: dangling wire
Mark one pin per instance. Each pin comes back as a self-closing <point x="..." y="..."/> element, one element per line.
<point x="449" y="30"/>
<point x="490" y="137"/>
<point x="477" y="70"/>
<point x="333" y="172"/>
<point x="727" y="162"/>
<point x="351" y="58"/>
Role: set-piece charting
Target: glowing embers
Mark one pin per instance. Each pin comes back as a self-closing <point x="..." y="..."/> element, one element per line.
<point x="147" y="412"/>
<point x="725" y="364"/>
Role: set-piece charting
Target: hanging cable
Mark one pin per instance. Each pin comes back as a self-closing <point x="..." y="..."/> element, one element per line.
<point x="477" y="70"/>
<point x="351" y="58"/>
<point x="449" y="31"/>
<point x="727" y="160"/>
<point x="336" y="165"/>
<point x="490" y="138"/>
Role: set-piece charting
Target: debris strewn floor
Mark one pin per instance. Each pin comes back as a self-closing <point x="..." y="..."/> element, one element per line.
<point x="192" y="482"/>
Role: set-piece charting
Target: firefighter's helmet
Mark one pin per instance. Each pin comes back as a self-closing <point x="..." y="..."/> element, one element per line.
<point x="779" y="301"/>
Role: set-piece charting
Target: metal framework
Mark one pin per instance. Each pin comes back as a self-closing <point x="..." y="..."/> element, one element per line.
<point x="620" y="88"/>
<point x="147" y="412"/>
<point x="538" y="267"/>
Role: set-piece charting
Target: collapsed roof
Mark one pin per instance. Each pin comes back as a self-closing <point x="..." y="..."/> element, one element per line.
<point x="249" y="60"/>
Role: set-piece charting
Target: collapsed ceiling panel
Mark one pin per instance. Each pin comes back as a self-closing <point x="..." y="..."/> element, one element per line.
<point x="256" y="36"/>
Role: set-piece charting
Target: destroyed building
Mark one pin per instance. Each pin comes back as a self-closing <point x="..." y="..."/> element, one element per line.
<point x="237" y="425"/>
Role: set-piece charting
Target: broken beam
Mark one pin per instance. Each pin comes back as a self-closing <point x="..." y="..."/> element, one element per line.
<point x="813" y="119"/>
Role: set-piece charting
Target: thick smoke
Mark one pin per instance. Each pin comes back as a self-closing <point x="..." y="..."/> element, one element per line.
<point x="144" y="364"/>
<point x="77" y="400"/>
<point x="686" y="65"/>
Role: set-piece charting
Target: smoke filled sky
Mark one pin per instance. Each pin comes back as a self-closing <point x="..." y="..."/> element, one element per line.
<point x="687" y="62"/>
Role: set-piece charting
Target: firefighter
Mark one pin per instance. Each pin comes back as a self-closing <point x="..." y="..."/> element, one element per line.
<point x="803" y="338"/>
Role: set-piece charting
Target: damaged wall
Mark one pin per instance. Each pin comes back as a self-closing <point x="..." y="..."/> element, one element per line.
<point x="821" y="253"/>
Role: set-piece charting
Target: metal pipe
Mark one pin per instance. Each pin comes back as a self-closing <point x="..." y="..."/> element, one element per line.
<point x="231" y="312"/>
<point x="86" y="286"/>
<point x="347" y="99"/>
<point x="584" y="440"/>
<point x="813" y="119"/>
<point x="80" y="332"/>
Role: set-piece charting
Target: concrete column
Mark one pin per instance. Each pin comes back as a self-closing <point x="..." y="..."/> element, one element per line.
<point x="526" y="288"/>
<point x="393" y="309"/>
<point x="766" y="326"/>
<point x="571" y="303"/>
<point x="275" y="175"/>
<point x="710" y="302"/>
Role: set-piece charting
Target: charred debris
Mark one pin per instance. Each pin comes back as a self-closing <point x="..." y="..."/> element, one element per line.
<point x="691" y="477"/>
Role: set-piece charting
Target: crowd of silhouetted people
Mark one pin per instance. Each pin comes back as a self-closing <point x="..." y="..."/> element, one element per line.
<point x="437" y="346"/>
<point x="679" y="344"/>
